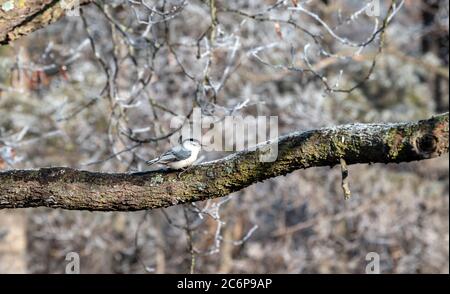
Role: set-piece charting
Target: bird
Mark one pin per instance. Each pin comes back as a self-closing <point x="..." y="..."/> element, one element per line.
<point x="180" y="156"/>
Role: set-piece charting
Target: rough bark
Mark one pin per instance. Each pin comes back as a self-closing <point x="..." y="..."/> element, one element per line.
<point x="19" y="18"/>
<point x="68" y="188"/>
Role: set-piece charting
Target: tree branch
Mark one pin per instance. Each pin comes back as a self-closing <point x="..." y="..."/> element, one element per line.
<point x="357" y="143"/>
<point x="19" y="18"/>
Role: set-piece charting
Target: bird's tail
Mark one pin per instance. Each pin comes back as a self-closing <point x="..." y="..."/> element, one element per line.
<point x="153" y="161"/>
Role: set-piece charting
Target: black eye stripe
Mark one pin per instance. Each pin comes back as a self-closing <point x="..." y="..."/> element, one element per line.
<point x="192" y="140"/>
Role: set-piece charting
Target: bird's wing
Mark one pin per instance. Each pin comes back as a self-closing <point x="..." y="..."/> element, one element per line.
<point x="175" y="154"/>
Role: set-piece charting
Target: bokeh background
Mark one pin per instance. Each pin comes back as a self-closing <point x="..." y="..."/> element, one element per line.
<point x="93" y="90"/>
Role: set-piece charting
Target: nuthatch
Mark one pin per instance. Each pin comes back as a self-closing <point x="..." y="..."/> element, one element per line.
<point x="181" y="156"/>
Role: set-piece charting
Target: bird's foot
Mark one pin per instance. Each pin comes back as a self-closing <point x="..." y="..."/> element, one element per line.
<point x="183" y="171"/>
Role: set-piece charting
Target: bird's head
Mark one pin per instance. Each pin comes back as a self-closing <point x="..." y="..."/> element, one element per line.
<point x="191" y="143"/>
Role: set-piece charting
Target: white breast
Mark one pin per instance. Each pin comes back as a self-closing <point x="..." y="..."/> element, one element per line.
<point x="184" y="163"/>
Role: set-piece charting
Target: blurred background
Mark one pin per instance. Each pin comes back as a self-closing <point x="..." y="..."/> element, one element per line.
<point x="98" y="89"/>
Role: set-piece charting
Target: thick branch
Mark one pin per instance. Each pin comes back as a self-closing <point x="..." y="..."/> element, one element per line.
<point x="19" y="18"/>
<point x="357" y="143"/>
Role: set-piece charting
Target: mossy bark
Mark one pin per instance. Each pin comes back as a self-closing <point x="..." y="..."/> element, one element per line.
<point x="356" y="143"/>
<point x="19" y="18"/>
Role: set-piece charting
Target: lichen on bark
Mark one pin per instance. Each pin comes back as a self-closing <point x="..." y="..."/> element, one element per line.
<point x="24" y="17"/>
